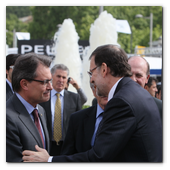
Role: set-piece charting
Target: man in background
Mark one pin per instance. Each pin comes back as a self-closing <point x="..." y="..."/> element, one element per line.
<point x="10" y="61"/>
<point x="69" y="103"/>
<point x="151" y="86"/>
<point x="140" y="74"/>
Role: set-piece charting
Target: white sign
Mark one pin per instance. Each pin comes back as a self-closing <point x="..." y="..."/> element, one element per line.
<point x="123" y="26"/>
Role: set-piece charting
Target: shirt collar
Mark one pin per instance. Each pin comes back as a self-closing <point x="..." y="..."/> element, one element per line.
<point x="10" y="84"/>
<point x="99" y="111"/>
<point x="53" y="92"/>
<point x="112" y="91"/>
<point x="27" y="105"/>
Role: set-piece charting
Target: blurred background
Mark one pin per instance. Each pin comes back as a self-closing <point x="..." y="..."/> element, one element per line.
<point x="39" y="29"/>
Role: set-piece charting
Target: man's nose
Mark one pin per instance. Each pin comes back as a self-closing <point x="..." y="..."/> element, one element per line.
<point x="50" y="86"/>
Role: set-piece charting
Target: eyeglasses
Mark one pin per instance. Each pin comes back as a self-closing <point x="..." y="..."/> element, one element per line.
<point x="91" y="71"/>
<point x="44" y="82"/>
<point x="11" y="67"/>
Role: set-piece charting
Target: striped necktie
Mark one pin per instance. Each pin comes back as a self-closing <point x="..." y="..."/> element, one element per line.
<point x="37" y="123"/>
<point x="57" y="131"/>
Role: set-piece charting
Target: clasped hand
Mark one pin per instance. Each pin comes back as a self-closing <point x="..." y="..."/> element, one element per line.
<point x="31" y="156"/>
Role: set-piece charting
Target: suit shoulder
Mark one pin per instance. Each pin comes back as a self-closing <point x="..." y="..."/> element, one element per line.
<point x="71" y="93"/>
<point x="84" y="112"/>
<point x="158" y="101"/>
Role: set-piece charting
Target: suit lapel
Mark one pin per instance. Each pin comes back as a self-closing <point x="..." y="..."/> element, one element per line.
<point x="89" y="125"/>
<point x="26" y="120"/>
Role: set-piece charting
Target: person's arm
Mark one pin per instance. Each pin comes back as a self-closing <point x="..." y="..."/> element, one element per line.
<point x="119" y="124"/>
<point x="14" y="147"/>
<point x="83" y="97"/>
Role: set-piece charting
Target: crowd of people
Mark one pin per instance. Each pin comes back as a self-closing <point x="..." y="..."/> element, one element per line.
<point x="45" y="121"/>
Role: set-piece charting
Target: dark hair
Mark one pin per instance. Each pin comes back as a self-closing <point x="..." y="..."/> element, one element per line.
<point x="159" y="88"/>
<point x="150" y="81"/>
<point x="25" y="68"/>
<point x="114" y="57"/>
<point x="10" y="60"/>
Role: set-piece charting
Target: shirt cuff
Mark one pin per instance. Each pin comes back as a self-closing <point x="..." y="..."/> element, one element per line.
<point x="50" y="159"/>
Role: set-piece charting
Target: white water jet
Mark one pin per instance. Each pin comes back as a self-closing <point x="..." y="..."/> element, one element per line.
<point x="67" y="51"/>
<point x="102" y="31"/>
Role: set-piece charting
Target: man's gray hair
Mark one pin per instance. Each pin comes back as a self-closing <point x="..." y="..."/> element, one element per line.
<point x="59" y="67"/>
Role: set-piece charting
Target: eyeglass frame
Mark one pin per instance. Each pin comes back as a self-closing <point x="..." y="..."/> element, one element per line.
<point x="45" y="82"/>
<point x="91" y="71"/>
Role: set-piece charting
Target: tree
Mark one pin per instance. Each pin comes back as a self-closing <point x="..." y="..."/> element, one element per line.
<point x="12" y="23"/>
<point x="46" y="19"/>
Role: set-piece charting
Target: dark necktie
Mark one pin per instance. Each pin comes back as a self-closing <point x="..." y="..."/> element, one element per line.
<point x="99" y="127"/>
<point x="98" y="120"/>
<point x="37" y="123"/>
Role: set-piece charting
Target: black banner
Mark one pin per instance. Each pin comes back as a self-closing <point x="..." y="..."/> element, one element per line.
<point x="37" y="46"/>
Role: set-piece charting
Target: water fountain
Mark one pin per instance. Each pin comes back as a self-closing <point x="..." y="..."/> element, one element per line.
<point x="67" y="50"/>
<point x="102" y="31"/>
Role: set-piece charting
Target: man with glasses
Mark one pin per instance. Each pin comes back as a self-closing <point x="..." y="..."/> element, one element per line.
<point x="10" y="61"/>
<point x="25" y="119"/>
<point x="130" y="130"/>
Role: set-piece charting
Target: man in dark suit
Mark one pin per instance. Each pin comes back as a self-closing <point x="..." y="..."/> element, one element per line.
<point x="10" y="61"/>
<point x="83" y="126"/>
<point x="31" y="83"/>
<point x="141" y="73"/>
<point x="131" y="129"/>
<point x="70" y="103"/>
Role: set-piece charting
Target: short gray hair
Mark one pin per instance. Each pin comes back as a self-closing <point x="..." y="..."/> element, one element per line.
<point x="60" y="67"/>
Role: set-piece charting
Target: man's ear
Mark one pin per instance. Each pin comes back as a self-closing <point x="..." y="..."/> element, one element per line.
<point x="104" y="69"/>
<point x="147" y="78"/>
<point x="24" y="84"/>
<point x="146" y="87"/>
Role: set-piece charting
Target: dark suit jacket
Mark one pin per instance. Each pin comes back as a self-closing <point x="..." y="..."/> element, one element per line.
<point x="131" y="130"/>
<point x="159" y="104"/>
<point x="21" y="132"/>
<point x="80" y="131"/>
<point x="72" y="104"/>
<point x="9" y="92"/>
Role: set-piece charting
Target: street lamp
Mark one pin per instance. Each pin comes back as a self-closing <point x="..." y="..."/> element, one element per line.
<point x="151" y="24"/>
<point x="100" y="9"/>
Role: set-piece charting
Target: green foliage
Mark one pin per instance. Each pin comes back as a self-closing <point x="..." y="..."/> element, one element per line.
<point x="85" y="106"/>
<point x="19" y="11"/>
<point x="46" y="19"/>
<point x="12" y="23"/>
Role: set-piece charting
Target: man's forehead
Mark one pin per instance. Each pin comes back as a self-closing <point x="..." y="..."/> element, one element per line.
<point x="138" y="64"/>
<point x="92" y="62"/>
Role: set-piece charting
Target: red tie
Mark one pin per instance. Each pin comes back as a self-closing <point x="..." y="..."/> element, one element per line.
<point x="36" y="121"/>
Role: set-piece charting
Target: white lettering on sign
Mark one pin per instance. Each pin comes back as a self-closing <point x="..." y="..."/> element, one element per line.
<point x="38" y="49"/>
<point x="26" y="49"/>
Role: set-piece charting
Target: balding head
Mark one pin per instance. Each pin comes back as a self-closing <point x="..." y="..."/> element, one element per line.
<point x="140" y="70"/>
